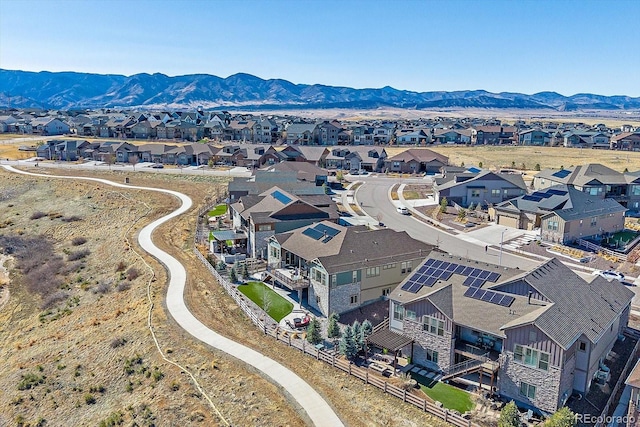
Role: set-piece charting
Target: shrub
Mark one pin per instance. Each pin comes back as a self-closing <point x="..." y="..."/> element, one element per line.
<point x="54" y="299"/>
<point x="115" y="419"/>
<point x="72" y="267"/>
<point x="118" y="342"/>
<point x="509" y="416"/>
<point x="89" y="399"/>
<point x="77" y="241"/>
<point x="103" y="287"/>
<point x="132" y="274"/>
<point x="157" y="374"/>
<point x="30" y="380"/>
<point x="123" y="286"/>
<point x="121" y="266"/>
<point x="37" y="215"/>
<point x="74" y="256"/>
<point x="72" y="218"/>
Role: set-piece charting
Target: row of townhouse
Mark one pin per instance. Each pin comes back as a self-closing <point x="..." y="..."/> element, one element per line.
<point x="246" y="128"/>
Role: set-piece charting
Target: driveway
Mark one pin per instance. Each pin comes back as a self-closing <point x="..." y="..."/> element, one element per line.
<point x="302" y="393"/>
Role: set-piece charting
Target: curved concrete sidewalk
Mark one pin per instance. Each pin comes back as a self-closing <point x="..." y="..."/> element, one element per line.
<point x="316" y="408"/>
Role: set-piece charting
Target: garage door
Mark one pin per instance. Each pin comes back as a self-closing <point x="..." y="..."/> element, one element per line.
<point x="507" y="221"/>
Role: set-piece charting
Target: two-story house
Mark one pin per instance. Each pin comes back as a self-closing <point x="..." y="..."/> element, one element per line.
<point x="416" y="160"/>
<point x="277" y="211"/>
<point x="346" y="267"/>
<point x="483" y="188"/>
<point x="543" y="333"/>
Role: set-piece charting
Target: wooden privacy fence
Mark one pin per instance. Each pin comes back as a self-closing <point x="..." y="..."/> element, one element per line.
<point x="270" y="328"/>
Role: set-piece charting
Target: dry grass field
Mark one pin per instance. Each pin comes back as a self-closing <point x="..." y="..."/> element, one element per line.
<point x="496" y="157"/>
<point x="82" y="351"/>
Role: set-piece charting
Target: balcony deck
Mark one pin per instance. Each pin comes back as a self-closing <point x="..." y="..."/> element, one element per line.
<point x="288" y="278"/>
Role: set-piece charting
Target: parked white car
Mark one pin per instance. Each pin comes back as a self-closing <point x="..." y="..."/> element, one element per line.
<point x="402" y="210"/>
<point x="610" y="275"/>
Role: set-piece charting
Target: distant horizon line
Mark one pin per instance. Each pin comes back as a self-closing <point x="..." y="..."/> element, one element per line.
<point x="316" y="84"/>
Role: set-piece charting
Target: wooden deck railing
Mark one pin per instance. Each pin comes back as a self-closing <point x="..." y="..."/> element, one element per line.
<point x="270" y="328"/>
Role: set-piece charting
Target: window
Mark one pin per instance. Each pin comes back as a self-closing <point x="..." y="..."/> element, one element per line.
<point x="386" y="292"/>
<point x="389" y="266"/>
<point x="318" y="299"/>
<point x="635" y="190"/>
<point x="531" y="357"/>
<point x="354" y="276"/>
<point x="264" y="227"/>
<point x="319" y="276"/>
<point x="373" y="271"/>
<point x="398" y="311"/>
<point x="582" y="346"/>
<point x="410" y="315"/>
<point x="594" y="221"/>
<point x="275" y="253"/>
<point x="475" y="193"/>
<point x="406" y="267"/>
<point x="528" y="390"/>
<point x="431" y="355"/>
<point x="353" y="299"/>
<point x="594" y="191"/>
<point x="495" y="193"/>
<point x="334" y="279"/>
<point x="433" y="325"/>
<point x="552" y="225"/>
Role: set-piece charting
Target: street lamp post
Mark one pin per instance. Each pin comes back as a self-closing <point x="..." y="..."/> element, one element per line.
<point x="501" y="242"/>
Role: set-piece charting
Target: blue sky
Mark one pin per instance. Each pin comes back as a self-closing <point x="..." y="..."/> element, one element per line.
<point x="567" y="46"/>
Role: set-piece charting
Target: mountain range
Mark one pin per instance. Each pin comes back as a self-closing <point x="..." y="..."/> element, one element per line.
<point x="68" y="90"/>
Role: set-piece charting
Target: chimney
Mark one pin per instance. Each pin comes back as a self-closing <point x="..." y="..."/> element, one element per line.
<point x="529" y="300"/>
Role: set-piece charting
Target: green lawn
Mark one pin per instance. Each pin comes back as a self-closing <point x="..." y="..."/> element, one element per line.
<point x="218" y="210"/>
<point x="256" y="291"/>
<point x="451" y="397"/>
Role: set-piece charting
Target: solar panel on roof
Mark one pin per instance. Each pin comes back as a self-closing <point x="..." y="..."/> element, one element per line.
<point x="563" y="173"/>
<point x="429" y="262"/>
<point x="459" y="269"/>
<point x="282" y="198"/>
<point x="468" y="281"/>
<point x="452" y="267"/>
<point x="506" y="301"/>
<point x="477" y="283"/>
<point x="415" y="287"/>
<point x="423" y="269"/>
<point x="532" y="198"/>
<point x="475" y="272"/>
<point x="406" y="285"/>
<point x="430" y="271"/>
<point x="444" y="265"/>
<point x="313" y="233"/>
<point x="445" y="275"/>
<point x="496" y="298"/>
<point x="467" y="271"/>
<point x="483" y="274"/>
<point x="487" y="296"/>
<point x="436" y="263"/>
<point x="326" y="229"/>
<point x="429" y="281"/>
<point x="493" y="277"/>
<point x="479" y="293"/>
<point x="470" y="292"/>
<point x="556" y="192"/>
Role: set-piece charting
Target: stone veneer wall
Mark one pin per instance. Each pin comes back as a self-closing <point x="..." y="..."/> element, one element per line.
<point x="547" y="383"/>
<point x="318" y="289"/>
<point x="341" y="297"/>
<point x="444" y="345"/>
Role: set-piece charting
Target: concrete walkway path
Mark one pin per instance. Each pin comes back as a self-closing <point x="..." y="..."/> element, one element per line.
<point x="316" y="408"/>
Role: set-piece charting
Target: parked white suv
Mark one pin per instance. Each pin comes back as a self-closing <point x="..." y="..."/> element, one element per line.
<point x="402" y="210"/>
<point x="610" y="275"/>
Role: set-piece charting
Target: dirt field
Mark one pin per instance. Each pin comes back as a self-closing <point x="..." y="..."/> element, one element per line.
<point x="90" y="357"/>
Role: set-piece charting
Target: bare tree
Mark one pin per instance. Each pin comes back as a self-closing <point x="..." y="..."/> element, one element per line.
<point x="109" y="159"/>
<point x="133" y="160"/>
<point x="266" y="299"/>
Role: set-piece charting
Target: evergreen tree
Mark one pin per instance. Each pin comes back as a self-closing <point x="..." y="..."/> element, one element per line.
<point x="222" y="266"/>
<point x="245" y="271"/>
<point x="443" y="205"/>
<point x="313" y="332"/>
<point x="333" y="330"/>
<point x="365" y="330"/>
<point x="480" y="165"/>
<point x="357" y="334"/>
<point x="347" y="343"/>
<point x="537" y="167"/>
<point x="509" y="416"/>
<point x="233" y="275"/>
<point x="563" y="417"/>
